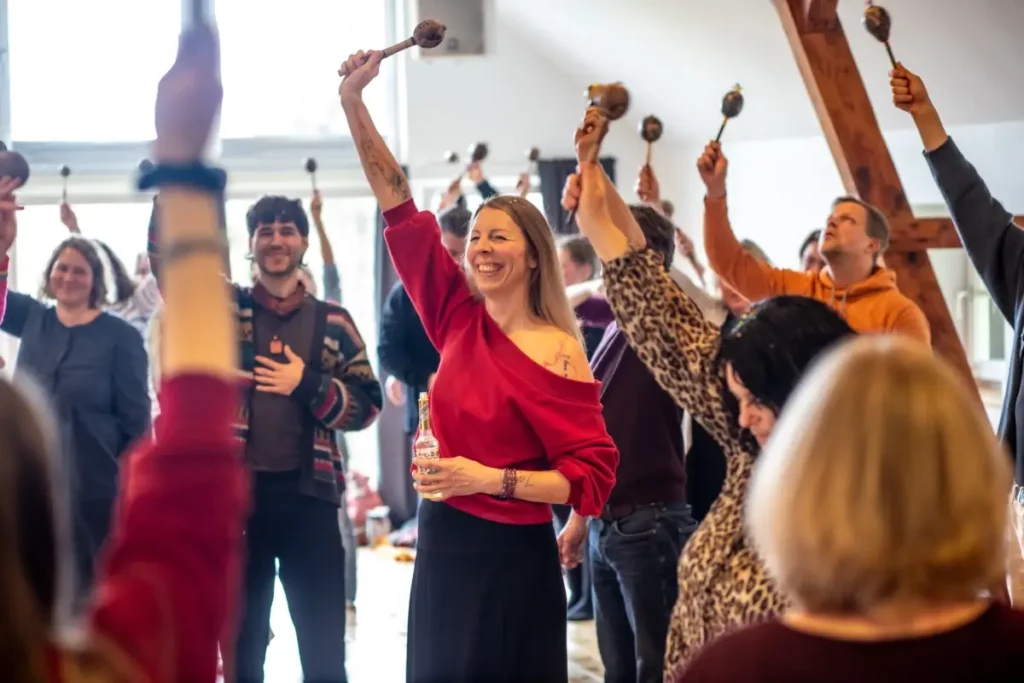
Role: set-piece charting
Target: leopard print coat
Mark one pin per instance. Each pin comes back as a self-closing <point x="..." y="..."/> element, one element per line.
<point x="722" y="583"/>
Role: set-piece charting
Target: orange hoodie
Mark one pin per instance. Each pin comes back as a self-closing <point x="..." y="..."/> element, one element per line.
<point x="874" y="305"/>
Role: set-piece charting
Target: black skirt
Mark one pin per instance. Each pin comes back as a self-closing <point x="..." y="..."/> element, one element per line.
<point x="487" y="602"/>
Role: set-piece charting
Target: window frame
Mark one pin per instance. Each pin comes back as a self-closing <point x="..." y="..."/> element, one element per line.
<point x="257" y="153"/>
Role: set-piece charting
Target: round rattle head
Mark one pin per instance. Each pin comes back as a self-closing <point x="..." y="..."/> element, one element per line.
<point x="732" y="103"/>
<point x="429" y="33"/>
<point x="478" y="152"/>
<point x="145" y="166"/>
<point x="611" y="98"/>
<point x="65" y="171"/>
<point x="451" y="157"/>
<point x="13" y="165"/>
<point x="311" y="165"/>
<point x="650" y="129"/>
<point x="532" y="154"/>
<point x="878" y="22"/>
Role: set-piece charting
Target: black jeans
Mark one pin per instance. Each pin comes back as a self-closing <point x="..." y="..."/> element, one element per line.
<point x="633" y="565"/>
<point x="302" y="534"/>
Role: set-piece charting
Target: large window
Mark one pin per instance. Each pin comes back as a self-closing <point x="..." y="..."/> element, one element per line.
<point x="122" y="226"/>
<point x="86" y="71"/>
<point x="280" y="63"/>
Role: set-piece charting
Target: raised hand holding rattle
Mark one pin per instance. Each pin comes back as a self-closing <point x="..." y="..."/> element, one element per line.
<point x="427" y="34"/>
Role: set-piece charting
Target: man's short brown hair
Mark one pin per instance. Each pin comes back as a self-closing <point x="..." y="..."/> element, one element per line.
<point x="877" y="226"/>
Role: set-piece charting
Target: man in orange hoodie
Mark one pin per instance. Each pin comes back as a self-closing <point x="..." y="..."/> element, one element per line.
<point x="853" y="283"/>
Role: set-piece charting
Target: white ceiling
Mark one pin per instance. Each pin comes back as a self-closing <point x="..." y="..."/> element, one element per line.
<point x="679" y="57"/>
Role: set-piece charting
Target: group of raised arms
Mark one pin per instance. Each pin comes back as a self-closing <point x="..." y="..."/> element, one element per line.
<point x="857" y="533"/>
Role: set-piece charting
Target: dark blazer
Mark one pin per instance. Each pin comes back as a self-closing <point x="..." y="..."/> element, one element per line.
<point x="404" y="351"/>
<point x="96" y="377"/>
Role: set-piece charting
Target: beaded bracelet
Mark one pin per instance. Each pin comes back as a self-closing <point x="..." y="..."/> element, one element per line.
<point x="508" y="483"/>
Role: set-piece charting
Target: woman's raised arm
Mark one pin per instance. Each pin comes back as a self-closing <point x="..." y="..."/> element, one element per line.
<point x="388" y="182"/>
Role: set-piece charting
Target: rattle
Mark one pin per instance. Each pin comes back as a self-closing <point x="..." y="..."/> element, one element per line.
<point x="65" y="173"/>
<point x="427" y="34"/>
<point x="13" y="165"/>
<point x="878" y="23"/>
<point x="477" y="153"/>
<point x="311" y="167"/>
<point x="650" y="131"/>
<point x="612" y="99"/>
<point x="732" y="105"/>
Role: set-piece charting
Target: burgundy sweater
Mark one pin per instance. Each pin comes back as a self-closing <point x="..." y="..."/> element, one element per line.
<point x="990" y="649"/>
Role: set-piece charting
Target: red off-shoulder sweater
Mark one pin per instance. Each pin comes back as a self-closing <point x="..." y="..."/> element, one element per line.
<point x="169" y="574"/>
<point x="490" y="401"/>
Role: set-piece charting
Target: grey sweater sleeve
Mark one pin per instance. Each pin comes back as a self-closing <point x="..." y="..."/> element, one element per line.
<point x="993" y="241"/>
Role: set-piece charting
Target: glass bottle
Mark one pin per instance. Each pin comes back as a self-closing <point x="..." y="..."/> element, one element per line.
<point x="425" y="445"/>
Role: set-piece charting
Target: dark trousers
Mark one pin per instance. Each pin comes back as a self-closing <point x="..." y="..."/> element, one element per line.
<point x="91" y="528"/>
<point x="302" y="534"/>
<point x="633" y="560"/>
<point x="581" y="602"/>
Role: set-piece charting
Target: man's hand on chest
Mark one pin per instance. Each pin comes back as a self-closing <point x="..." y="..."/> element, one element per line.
<point x="279" y="377"/>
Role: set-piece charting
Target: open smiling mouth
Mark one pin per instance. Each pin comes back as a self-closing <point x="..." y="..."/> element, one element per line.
<point x="489" y="269"/>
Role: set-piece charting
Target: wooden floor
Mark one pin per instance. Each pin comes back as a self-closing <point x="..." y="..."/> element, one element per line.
<point x="376" y="635"/>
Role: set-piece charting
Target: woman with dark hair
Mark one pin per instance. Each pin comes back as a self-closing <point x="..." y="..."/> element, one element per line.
<point x="134" y="301"/>
<point x="93" y="367"/>
<point x="734" y="384"/>
<point x="517" y="417"/>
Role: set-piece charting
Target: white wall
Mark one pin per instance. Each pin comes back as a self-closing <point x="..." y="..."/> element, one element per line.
<point x="513" y="97"/>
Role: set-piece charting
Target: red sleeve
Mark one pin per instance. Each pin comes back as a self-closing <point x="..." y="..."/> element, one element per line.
<point x="436" y="284"/>
<point x="578" y="445"/>
<point x="169" y="577"/>
<point x="4" y="264"/>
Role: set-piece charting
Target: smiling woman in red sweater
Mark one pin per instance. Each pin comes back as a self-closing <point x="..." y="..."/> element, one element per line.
<point x="518" y="418"/>
<point x="168" y="574"/>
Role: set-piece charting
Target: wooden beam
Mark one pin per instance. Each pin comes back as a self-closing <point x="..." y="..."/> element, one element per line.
<point x="926" y="233"/>
<point x="931" y="233"/>
<point x="818" y="15"/>
<point x="865" y="166"/>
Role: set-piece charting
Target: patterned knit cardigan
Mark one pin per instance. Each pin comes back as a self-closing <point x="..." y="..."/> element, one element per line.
<point x="342" y="391"/>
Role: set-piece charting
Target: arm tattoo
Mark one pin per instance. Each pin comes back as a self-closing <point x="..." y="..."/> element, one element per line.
<point x="382" y="166"/>
<point x="523" y="479"/>
<point x="561" y="363"/>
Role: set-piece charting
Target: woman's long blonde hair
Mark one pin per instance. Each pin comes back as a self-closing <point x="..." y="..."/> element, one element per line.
<point x="547" y="298"/>
<point x="883" y="483"/>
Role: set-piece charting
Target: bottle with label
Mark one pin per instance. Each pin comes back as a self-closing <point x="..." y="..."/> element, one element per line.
<point x="425" y="445"/>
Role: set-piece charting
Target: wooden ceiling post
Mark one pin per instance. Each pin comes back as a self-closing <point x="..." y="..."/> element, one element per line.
<point x="848" y="120"/>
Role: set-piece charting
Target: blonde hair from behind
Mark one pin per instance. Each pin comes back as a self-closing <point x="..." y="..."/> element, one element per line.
<point x="548" y="300"/>
<point x="883" y="484"/>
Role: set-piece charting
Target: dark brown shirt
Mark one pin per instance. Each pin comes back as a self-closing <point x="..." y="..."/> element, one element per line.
<point x="645" y="424"/>
<point x="277" y="423"/>
<point x="990" y="649"/>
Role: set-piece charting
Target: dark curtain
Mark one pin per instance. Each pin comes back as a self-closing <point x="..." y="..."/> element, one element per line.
<point x="394" y="455"/>
<point x="553" y="174"/>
